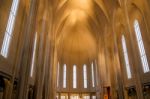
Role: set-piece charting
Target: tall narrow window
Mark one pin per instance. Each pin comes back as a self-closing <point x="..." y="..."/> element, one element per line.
<point x="74" y="76"/>
<point x="64" y="76"/>
<point x="86" y="97"/>
<point x="93" y="79"/>
<point x="85" y="76"/>
<point x="9" y="28"/>
<point x="141" y="47"/>
<point x="63" y="97"/>
<point x="74" y="97"/>
<point x="125" y="52"/>
<point x="58" y="74"/>
<point x="96" y="71"/>
<point x="93" y="97"/>
<point x="33" y="56"/>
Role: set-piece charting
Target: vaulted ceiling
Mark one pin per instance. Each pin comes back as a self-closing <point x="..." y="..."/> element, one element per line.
<point x="78" y="27"/>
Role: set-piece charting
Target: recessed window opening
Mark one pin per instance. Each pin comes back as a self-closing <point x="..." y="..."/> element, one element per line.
<point x="141" y="47"/>
<point x="64" y="76"/>
<point x="85" y="75"/>
<point x="33" y="56"/>
<point x="93" y="79"/>
<point x="125" y="52"/>
<point x="58" y="74"/>
<point x="74" y="76"/>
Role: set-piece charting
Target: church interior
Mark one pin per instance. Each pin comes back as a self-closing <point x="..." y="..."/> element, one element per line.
<point x="74" y="49"/>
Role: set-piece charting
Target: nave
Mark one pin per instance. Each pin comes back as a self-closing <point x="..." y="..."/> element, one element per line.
<point x="74" y="49"/>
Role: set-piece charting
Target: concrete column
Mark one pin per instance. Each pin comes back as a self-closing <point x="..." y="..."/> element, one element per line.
<point x="98" y="95"/>
<point x="26" y="56"/>
<point x="90" y="96"/>
<point x="52" y="73"/>
<point x="68" y="95"/>
<point x="59" y="96"/>
<point x="41" y="62"/>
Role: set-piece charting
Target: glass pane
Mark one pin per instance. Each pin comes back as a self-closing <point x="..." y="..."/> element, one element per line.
<point x="64" y="76"/>
<point x="93" y="97"/>
<point x="74" y="77"/>
<point x="93" y="80"/>
<point x="85" y="76"/>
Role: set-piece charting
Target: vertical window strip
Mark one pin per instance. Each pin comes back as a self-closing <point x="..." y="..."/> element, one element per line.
<point x="126" y="58"/>
<point x="93" y="97"/>
<point x="64" y="75"/>
<point x="96" y="70"/>
<point x="63" y="97"/>
<point x="33" y="56"/>
<point x="9" y="28"/>
<point x="58" y="75"/>
<point x="75" y="97"/>
<point x="86" y="97"/>
<point x="74" y="76"/>
<point x="85" y="76"/>
<point x="57" y="97"/>
<point x="93" y="79"/>
<point x="141" y="47"/>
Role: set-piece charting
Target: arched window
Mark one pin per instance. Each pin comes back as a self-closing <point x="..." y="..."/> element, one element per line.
<point x="33" y="56"/>
<point x="74" y="76"/>
<point x="125" y="52"/>
<point x="85" y="75"/>
<point x="9" y="28"/>
<point x="141" y="47"/>
<point x="92" y="71"/>
<point x="58" y="66"/>
<point x="64" y="76"/>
